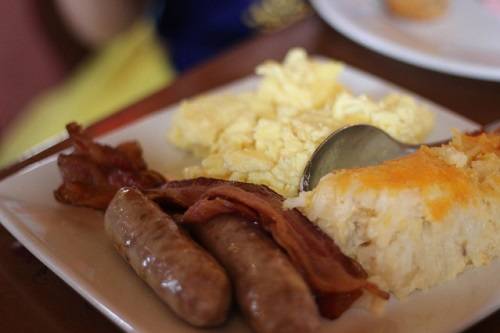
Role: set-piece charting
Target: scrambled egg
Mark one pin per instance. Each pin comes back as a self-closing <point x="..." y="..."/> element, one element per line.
<point x="266" y="136"/>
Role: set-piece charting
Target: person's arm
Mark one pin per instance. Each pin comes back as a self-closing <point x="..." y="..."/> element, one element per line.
<point x="94" y="22"/>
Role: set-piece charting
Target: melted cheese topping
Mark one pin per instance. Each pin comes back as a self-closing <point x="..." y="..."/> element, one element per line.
<point x="441" y="184"/>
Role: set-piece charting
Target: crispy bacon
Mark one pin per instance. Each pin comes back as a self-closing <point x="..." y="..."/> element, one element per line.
<point x="93" y="172"/>
<point x="207" y="209"/>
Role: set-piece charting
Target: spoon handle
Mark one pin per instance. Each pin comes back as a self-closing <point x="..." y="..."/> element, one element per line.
<point x="488" y="128"/>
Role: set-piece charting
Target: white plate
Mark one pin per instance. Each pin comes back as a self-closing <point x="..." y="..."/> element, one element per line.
<point x="465" y="41"/>
<point x="71" y="242"/>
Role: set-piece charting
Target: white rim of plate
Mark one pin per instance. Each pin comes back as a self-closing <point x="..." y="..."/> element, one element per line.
<point x="395" y="50"/>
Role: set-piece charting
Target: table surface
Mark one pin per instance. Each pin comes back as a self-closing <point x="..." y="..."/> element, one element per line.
<point x="33" y="299"/>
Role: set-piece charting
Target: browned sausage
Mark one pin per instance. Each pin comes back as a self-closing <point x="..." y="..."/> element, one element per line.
<point x="181" y="273"/>
<point x="271" y="293"/>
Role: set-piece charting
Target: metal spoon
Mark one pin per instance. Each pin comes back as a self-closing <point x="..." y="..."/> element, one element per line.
<point x="357" y="146"/>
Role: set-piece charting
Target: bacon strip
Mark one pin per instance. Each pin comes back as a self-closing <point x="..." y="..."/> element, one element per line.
<point x="333" y="305"/>
<point x="206" y="209"/>
<point x="94" y="172"/>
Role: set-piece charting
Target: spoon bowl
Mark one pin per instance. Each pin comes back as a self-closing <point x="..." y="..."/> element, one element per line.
<point x="352" y="147"/>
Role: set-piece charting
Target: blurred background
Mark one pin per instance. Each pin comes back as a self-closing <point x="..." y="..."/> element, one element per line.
<point x="73" y="60"/>
<point x="36" y="52"/>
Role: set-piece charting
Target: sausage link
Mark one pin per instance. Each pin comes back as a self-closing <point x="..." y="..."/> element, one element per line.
<point x="180" y="272"/>
<point x="271" y="293"/>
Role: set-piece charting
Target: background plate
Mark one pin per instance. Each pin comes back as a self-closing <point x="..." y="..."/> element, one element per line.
<point x="71" y="241"/>
<point x="464" y="41"/>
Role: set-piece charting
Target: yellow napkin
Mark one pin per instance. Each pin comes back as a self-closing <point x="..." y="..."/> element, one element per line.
<point x="132" y="66"/>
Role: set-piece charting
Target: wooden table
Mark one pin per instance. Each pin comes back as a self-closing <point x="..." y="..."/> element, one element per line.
<point x="33" y="299"/>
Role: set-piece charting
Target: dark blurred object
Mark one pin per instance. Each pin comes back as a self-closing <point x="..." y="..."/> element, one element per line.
<point x="37" y="51"/>
<point x="197" y="30"/>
